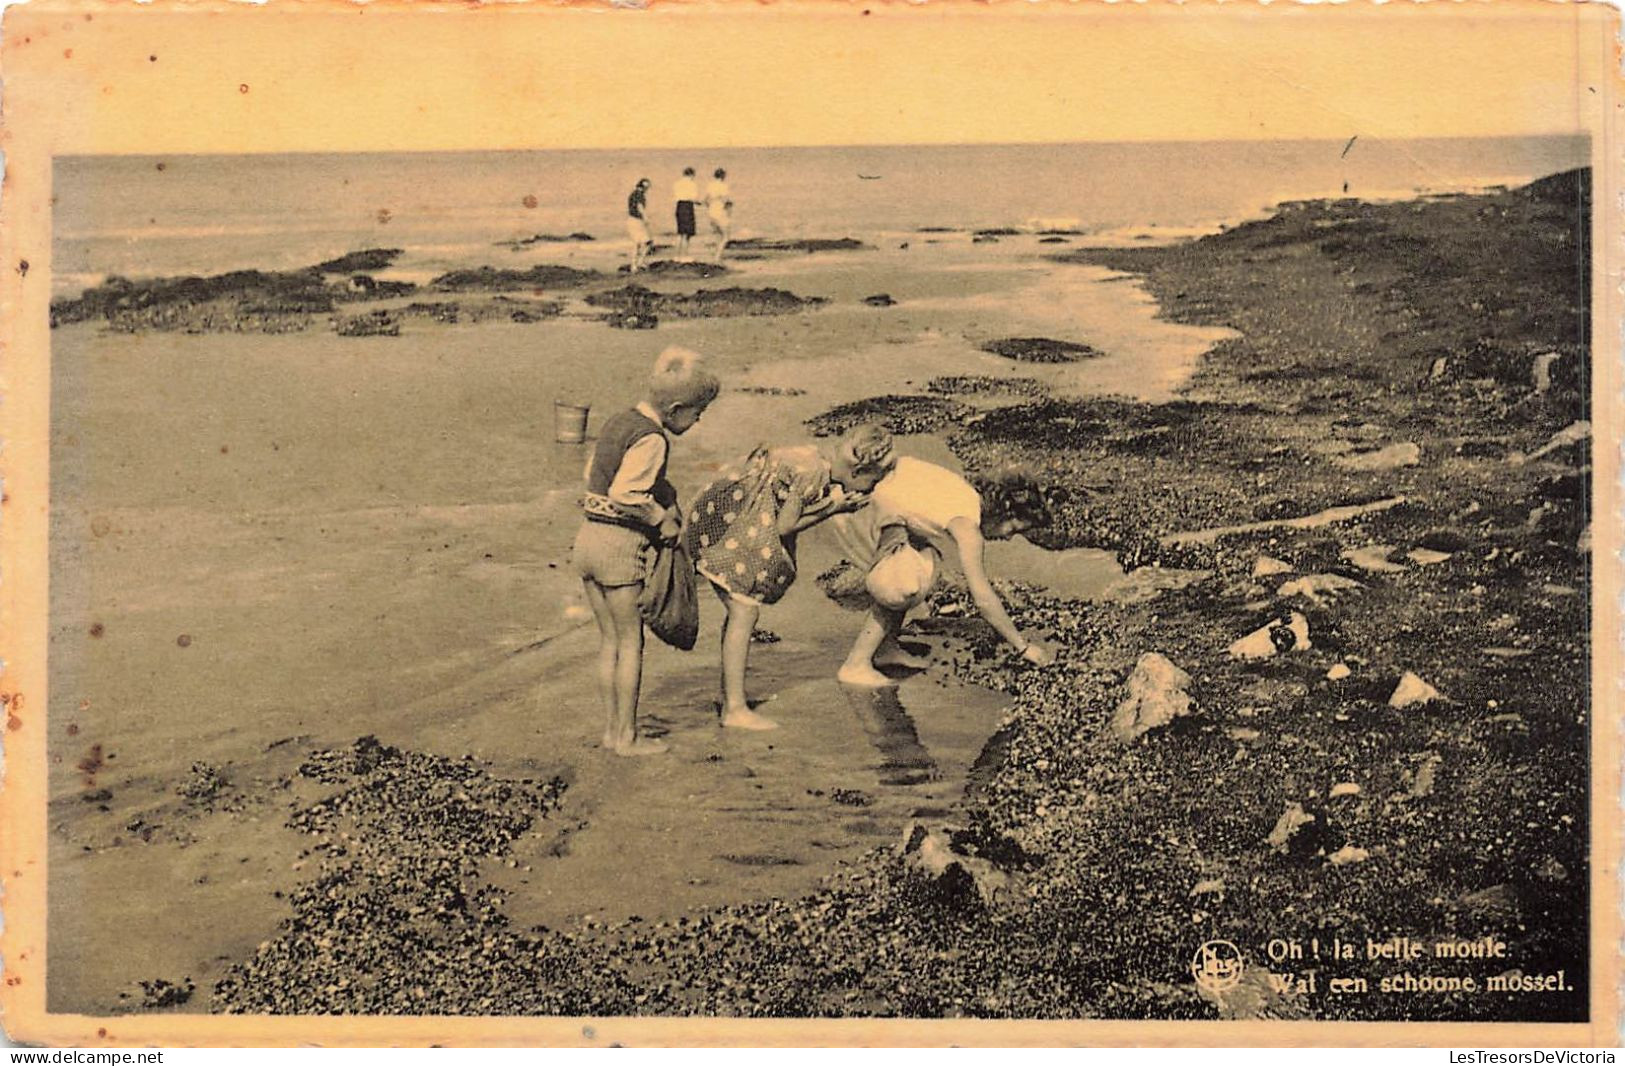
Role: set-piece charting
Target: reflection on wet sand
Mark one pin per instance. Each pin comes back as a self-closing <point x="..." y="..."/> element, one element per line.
<point x="903" y="759"/>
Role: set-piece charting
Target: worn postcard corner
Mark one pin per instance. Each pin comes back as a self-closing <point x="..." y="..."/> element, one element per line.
<point x="1053" y="524"/>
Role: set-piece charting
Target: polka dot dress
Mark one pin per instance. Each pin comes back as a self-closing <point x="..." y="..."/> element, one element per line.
<point x="732" y="527"/>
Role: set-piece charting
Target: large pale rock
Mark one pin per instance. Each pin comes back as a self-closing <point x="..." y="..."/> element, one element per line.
<point x="1406" y="453"/>
<point x="1268" y="566"/>
<point x="1540" y="374"/>
<point x="929" y="854"/>
<point x="1287" y="826"/>
<point x="1154" y="695"/>
<point x="1373" y="558"/>
<point x="1149" y="582"/>
<point x="1268" y="641"/>
<point x="1573" y="433"/>
<point x="1313" y="586"/>
<point x="1412" y="691"/>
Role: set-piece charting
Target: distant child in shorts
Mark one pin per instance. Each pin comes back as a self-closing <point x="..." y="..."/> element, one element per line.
<point x="742" y="533"/>
<point x="628" y="507"/>
<point x="719" y="211"/>
<point x="920" y="514"/>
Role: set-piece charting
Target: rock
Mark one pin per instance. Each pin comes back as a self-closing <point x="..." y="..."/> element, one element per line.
<point x="1338" y="672"/>
<point x="1498" y="902"/>
<point x="1347" y="855"/>
<point x="1422" y="784"/>
<point x="1571" y="434"/>
<point x="1243" y="734"/>
<point x="1392" y="457"/>
<point x="1312" y="586"/>
<point x="1266" y="566"/>
<point x="1155" y="695"/>
<point x="1412" y="691"/>
<point x="1540" y="374"/>
<point x="1345" y="788"/>
<point x="1148" y="582"/>
<point x="1373" y="558"/>
<point x="1208" y="888"/>
<point x="928" y="854"/>
<point x="631" y="320"/>
<point x="1293" y="819"/>
<point x="1427" y="557"/>
<point x="1289" y="634"/>
<point x="879" y="299"/>
<point x="1438" y="370"/>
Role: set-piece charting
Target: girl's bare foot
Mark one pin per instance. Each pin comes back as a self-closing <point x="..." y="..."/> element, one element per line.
<point x="641" y="746"/>
<point x="863" y="674"/>
<point x="741" y="718"/>
<point x="892" y="654"/>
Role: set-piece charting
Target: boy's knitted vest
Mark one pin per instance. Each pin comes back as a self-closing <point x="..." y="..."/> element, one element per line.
<point x="614" y="440"/>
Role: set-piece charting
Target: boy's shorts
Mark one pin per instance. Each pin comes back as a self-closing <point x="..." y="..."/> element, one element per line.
<point x="611" y="556"/>
<point x="685" y="218"/>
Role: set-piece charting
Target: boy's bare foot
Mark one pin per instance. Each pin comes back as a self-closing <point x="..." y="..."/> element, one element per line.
<point x="863" y="674"/>
<point x="893" y="654"/>
<point x="740" y="718"/>
<point x="642" y="746"/>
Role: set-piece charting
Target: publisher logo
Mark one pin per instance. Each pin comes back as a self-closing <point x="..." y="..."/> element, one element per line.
<point x="1217" y="965"/>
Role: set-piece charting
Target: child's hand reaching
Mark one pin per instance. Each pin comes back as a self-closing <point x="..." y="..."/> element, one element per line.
<point x="671" y="528"/>
<point x="843" y="502"/>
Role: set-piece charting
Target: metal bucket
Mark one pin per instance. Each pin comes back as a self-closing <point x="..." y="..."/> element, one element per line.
<point x="569" y="422"/>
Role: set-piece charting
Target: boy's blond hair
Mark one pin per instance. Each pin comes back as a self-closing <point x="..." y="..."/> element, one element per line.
<point x="870" y="447"/>
<point x="680" y="381"/>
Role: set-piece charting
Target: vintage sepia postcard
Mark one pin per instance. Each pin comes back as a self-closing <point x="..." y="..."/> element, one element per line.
<point x="836" y="522"/>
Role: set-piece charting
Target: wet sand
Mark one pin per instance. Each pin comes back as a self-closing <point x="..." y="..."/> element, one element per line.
<point x="271" y="545"/>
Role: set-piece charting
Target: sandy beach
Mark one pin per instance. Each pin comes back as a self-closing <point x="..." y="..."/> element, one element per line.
<point x="355" y="523"/>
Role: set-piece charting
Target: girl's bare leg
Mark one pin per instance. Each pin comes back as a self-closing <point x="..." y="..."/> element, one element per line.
<point x="736" y="633"/>
<point x="623" y="608"/>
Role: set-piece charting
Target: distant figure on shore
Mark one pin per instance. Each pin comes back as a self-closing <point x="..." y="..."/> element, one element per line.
<point x="919" y="513"/>
<point x="742" y="530"/>
<point x="687" y="193"/>
<point x="719" y="210"/>
<point x="637" y="223"/>
<point x="629" y="505"/>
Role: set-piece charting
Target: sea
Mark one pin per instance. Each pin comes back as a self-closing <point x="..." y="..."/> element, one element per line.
<point x="151" y="216"/>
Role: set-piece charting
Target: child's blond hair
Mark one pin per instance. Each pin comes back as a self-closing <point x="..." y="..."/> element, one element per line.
<point x="680" y="381"/>
<point x="870" y="447"/>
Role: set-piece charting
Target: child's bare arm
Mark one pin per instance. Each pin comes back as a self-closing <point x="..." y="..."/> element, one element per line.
<point x="968" y="538"/>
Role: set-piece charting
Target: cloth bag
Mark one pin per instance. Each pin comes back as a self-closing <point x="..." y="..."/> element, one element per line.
<point x="670" y="603"/>
<point x="902" y="575"/>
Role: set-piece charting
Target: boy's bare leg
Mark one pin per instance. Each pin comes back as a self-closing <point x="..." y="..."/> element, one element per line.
<point x="623" y="607"/>
<point x="736" y="634"/>
<point x="608" y="652"/>
<point x="859" y="668"/>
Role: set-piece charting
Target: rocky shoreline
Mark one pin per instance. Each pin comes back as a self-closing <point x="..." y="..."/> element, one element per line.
<point x="1342" y="692"/>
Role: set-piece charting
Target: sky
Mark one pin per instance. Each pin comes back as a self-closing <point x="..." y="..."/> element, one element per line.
<point x="332" y="75"/>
